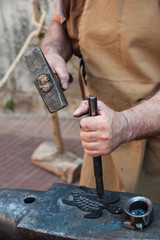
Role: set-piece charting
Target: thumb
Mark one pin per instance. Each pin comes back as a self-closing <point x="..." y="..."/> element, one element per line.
<point x="82" y="109"/>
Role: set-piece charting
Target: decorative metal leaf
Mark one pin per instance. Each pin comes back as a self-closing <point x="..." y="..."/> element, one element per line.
<point x="68" y="202"/>
<point x="85" y="203"/>
<point x="96" y="214"/>
<point x="87" y="200"/>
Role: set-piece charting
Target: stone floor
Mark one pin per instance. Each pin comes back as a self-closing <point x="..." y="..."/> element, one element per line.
<point x="20" y="135"/>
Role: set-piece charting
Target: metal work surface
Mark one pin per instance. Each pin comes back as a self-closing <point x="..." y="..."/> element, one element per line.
<point x="27" y="214"/>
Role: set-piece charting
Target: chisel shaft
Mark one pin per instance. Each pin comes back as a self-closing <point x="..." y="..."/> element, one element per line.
<point x="97" y="161"/>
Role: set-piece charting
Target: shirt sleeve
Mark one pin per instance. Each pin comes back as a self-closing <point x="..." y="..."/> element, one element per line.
<point x="59" y="15"/>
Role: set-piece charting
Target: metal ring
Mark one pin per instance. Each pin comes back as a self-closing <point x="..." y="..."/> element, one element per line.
<point x="138" y="213"/>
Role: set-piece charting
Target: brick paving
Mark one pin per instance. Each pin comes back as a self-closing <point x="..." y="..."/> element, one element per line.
<point x="20" y="135"/>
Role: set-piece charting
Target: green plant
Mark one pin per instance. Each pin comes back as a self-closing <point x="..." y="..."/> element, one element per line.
<point x="10" y="105"/>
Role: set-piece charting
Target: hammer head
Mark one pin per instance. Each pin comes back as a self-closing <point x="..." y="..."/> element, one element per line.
<point x="46" y="82"/>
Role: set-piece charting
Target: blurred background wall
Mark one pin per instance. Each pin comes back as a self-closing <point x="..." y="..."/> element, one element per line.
<point x="15" y="25"/>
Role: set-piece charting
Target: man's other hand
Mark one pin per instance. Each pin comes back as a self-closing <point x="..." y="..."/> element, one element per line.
<point x="101" y="134"/>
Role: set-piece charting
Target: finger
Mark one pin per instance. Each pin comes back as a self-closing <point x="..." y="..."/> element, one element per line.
<point x="94" y="153"/>
<point x="89" y="124"/>
<point x="58" y="65"/>
<point x="82" y="109"/>
<point x="93" y="149"/>
<point x="88" y="136"/>
<point x="51" y="61"/>
<point x="90" y="146"/>
<point x="62" y="72"/>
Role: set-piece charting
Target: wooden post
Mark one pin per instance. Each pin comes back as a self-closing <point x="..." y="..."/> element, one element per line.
<point x="54" y="116"/>
<point x="56" y="132"/>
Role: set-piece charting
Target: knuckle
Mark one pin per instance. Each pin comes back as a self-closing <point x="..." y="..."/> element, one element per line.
<point x="103" y="137"/>
<point x="83" y="144"/>
<point x="82" y="122"/>
<point x="106" y="135"/>
<point x="84" y="104"/>
<point x="102" y="124"/>
<point x="81" y="134"/>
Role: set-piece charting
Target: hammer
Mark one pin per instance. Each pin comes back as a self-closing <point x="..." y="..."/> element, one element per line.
<point x="48" y="86"/>
<point x="46" y="82"/>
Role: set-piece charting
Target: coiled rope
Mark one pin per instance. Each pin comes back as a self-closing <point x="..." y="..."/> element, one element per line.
<point x="33" y="34"/>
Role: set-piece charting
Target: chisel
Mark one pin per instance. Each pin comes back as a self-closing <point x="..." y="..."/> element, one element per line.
<point x="97" y="161"/>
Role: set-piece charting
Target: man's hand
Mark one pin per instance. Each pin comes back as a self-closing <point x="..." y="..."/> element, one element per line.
<point x="101" y="134"/>
<point x="59" y="67"/>
<point x="57" y="49"/>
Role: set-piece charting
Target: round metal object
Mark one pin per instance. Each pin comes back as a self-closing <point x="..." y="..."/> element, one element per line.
<point x="44" y="83"/>
<point x="138" y="213"/>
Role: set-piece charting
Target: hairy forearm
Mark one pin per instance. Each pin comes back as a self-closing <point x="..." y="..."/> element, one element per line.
<point x="102" y="134"/>
<point x="57" y="41"/>
<point x="144" y="119"/>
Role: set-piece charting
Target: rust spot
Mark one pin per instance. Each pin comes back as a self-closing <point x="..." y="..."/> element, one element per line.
<point x="44" y="83"/>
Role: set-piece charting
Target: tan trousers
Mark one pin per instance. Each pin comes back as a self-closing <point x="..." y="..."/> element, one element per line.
<point x="120" y="44"/>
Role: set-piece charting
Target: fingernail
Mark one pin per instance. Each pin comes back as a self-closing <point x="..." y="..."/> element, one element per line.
<point x="64" y="85"/>
<point x="76" y="112"/>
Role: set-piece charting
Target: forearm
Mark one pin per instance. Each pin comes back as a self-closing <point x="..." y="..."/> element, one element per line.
<point x="57" y="41"/>
<point x="144" y="119"/>
<point x="57" y="49"/>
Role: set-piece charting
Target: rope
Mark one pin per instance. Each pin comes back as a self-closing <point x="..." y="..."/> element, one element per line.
<point x="33" y="34"/>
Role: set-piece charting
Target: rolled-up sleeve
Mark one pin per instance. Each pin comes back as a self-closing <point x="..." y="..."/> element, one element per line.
<point x="59" y="15"/>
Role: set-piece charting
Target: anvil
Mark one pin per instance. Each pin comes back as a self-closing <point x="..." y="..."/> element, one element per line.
<point x="29" y="214"/>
